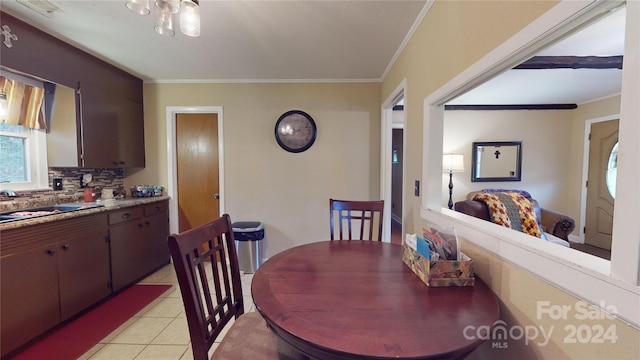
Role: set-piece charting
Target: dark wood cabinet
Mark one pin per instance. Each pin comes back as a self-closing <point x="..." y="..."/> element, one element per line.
<point x="112" y="128"/>
<point x="29" y="296"/>
<point x="138" y="237"/>
<point x="51" y="272"/>
<point x="157" y="233"/>
<point x="83" y="272"/>
<point x="109" y="104"/>
<point x="126" y="232"/>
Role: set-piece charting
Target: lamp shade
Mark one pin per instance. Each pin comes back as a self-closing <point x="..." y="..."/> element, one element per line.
<point x="452" y="162"/>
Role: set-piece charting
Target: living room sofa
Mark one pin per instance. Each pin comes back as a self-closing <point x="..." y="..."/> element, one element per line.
<point x="553" y="223"/>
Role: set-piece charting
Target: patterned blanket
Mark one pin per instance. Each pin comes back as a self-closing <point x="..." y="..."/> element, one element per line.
<point x="512" y="210"/>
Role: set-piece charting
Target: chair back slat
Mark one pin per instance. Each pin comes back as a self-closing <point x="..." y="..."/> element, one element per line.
<point x="366" y="217"/>
<point x="207" y="268"/>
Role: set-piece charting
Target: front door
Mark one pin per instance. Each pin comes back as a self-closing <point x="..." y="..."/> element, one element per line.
<point x="599" y="212"/>
<point x="197" y="169"/>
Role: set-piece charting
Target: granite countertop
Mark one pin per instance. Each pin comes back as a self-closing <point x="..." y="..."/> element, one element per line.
<point x="108" y="205"/>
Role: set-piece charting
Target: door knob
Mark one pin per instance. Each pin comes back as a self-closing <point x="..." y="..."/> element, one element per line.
<point x="216" y="196"/>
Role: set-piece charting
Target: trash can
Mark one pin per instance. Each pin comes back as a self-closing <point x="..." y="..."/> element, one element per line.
<point x="248" y="236"/>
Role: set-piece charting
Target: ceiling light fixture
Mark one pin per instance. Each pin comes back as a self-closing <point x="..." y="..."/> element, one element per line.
<point x="165" y="10"/>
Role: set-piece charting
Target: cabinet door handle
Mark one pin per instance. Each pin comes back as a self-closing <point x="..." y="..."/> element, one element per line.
<point x="51" y="251"/>
<point x="126" y="216"/>
<point x="65" y="247"/>
<point x="147" y="223"/>
<point x="140" y="225"/>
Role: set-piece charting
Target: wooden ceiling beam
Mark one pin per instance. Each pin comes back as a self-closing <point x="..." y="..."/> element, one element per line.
<point x="572" y="62"/>
<point x="512" y="107"/>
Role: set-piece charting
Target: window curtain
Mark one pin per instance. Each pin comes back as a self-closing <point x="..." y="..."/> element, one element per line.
<point x="24" y="104"/>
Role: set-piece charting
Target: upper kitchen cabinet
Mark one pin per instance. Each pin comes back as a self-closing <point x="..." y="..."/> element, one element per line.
<point x="112" y="133"/>
<point x="107" y="128"/>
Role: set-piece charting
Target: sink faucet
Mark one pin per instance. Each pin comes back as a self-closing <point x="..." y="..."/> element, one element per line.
<point x="8" y="193"/>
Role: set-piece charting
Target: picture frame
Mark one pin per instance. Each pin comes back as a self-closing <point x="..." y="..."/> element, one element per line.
<point x="496" y="161"/>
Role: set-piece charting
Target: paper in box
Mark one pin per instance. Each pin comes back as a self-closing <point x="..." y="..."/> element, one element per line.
<point x="440" y="272"/>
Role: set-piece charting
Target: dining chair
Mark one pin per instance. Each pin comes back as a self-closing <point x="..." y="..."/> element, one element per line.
<point x="365" y="217"/>
<point x="206" y="265"/>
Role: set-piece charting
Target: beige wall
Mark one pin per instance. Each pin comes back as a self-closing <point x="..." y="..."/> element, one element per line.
<point x="520" y="296"/>
<point x="545" y="151"/>
<point x="451" y="38"/>
<point x="552" y="148"/>
<point x="288" y="192"/>
<point x="590" y="111"/>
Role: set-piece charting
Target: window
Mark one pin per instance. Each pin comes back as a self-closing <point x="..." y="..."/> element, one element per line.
<point x="612" y="171"/>
<point x="598" y="281"/>
<point x="23" y="158"/>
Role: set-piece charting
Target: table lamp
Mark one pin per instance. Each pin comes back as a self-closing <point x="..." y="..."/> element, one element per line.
<point x="452" y="163"/>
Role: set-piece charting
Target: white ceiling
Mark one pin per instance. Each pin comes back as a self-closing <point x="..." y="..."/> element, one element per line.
<point x="560" y="86"/>
<point x="305" y="40"/>
<point x="240" y="40"/>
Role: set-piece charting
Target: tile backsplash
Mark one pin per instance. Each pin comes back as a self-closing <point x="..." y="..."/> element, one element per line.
<point x="72" y="189"/>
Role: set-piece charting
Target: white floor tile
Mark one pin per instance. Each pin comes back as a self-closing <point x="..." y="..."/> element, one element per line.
<point x="177" y="333"/>
<point x="159" y="331"/>
<point x="162" y="352"/>
<point x="143" y="331"/>
<point x="118" y="352"/>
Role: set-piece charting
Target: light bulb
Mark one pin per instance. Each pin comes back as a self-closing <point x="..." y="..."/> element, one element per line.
<point x="140" y="7"/>
<point x="190" y="18"/>
<point x="173" y="6"/>
<point x="164" y="23"/>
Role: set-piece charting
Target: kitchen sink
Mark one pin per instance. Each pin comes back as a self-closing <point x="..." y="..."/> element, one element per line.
<point x="43" y="211"/>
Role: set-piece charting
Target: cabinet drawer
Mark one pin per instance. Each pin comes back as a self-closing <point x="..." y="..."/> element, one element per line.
<point x="156" y="208"/>
<point x="120" y="216"/>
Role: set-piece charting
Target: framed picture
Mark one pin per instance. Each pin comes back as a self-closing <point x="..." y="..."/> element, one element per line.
<point x="496" y="161"/>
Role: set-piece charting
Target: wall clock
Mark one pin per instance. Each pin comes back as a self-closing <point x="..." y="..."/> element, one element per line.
<point x="295" y="131"/>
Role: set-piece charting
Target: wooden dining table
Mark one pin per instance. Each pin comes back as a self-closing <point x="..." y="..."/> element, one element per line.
<point x="357" y="300"/>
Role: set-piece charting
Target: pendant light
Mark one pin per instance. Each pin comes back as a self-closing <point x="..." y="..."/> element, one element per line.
<point x="165" y="10"/>
<point x="190" y="18"/>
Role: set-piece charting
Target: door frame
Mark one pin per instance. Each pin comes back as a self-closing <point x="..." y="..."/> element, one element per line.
<point x="386" y="156"/>
<point x="172" y="168"/>
<point x="585" y="174"/>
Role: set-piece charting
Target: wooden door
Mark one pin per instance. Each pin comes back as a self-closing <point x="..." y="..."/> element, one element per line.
<point x="197" y="169"/>
<point x="599" y="214"/>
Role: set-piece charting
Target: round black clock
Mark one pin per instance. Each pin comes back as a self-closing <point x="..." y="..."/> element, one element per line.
<point x="295" y="131"/>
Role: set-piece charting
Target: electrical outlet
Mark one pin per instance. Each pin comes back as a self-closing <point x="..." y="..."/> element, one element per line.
<point x="57" y="184"/>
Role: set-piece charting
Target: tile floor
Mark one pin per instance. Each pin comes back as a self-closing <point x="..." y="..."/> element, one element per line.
<point x="159" y="331"/>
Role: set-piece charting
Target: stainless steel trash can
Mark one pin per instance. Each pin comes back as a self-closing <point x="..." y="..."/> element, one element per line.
<point x="248" y="240"/>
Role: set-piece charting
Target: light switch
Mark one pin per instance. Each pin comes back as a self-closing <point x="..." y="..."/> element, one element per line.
<point x="416" y="188"/>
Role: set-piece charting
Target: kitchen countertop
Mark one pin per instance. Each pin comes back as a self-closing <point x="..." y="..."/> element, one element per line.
<point x="109" y="205"/>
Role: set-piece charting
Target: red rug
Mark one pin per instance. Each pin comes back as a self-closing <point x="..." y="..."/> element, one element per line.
<point x="74" y="339"/>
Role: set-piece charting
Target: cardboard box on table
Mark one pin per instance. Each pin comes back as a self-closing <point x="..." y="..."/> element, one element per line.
<point x="440" y="272"/>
